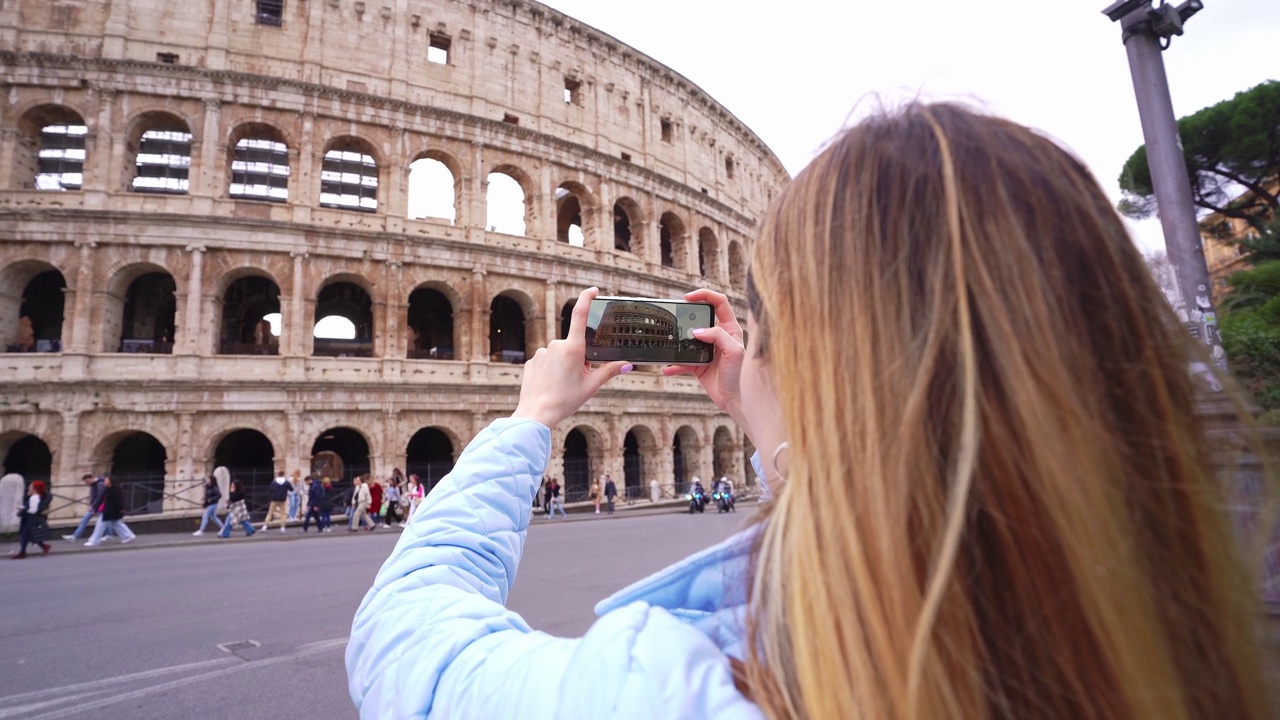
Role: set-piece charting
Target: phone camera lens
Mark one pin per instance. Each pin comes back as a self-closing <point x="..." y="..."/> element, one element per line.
<point x="693" y="316"/>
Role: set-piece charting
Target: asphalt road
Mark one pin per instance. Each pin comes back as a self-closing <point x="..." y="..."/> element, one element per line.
<point x="253" y="628"/>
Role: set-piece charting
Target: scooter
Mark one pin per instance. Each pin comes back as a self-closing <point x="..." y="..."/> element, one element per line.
<point x="697" y="501"/>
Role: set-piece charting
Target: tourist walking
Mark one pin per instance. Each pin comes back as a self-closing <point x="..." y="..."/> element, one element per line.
<point x="315" y="498"/>
<point x="360" y="498"/>
<point x="415" y="495"/>
<point x="610" y="491"/>
<point x="278" y="497"/>
<point x="112" y="516"/>
<point x="237" y="512"/>
<point x="375" y="500"/>
<point x="95" y="503"/>
<point x="294" y="499"/>
<point x="392" y="516"/>
<point x="995" y="497"/>
<point x="33" y="526"/>
<point x="212" y="494"/>
<point x="597" y="492"/>
<point x="302" y="486"/>
<point x="326" y="504"/>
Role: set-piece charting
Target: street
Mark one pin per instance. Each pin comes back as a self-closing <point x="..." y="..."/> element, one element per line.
<point x="256" y="627"/>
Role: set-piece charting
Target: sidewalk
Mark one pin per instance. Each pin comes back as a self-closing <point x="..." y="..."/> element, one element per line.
<point x="578" y="512"/>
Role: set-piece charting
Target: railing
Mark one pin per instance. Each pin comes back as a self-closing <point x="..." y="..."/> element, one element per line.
<point x="429" y="354"/>
<point x="154" y="347"/>
<point x="39" y="346"/>
<point x="343" y="348"/>
<point x="143" y="494"/>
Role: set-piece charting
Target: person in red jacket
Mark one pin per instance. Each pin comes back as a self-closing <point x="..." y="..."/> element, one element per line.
<point x="375" y="503"/>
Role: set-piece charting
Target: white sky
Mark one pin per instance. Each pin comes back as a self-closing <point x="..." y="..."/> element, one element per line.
<point x="794" y="72"/>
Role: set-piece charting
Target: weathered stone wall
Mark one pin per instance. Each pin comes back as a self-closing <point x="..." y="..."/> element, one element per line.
<point x="327" y="73"/>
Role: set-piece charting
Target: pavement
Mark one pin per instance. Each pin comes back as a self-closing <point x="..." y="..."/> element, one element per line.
<point x="172" y="626"/>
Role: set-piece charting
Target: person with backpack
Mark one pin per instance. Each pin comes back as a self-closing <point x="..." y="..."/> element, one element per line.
<point x="212" y="494"/>
<point x="237" y="512"/>
<point x="112" y="516"/>
<point x="34" y="526"/>
<point x="316" y="498"/>
<point x="278" y="495"/>
<point x="95" y="501"/>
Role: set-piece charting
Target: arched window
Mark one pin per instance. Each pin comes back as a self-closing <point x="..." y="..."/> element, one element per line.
<point x="708" y="254"/>
<point x="138" y="469"/>
<point x="569" y="218"/>
<point x="250" y="458"/>
<point x="430" y="325"/>
<point x="429" y="456"/>
<point x="36" y="326"/>
<point x="147" y="322"/>
<point x="339" y="302"/>
<point x="349" y="176"/>
<point x="26" y="455"/>
<point x="506" y="331"/>
<point x="52" y="148"/>
<point x="160" y="145"/>
<point x="340" y="454"/>
<point x="246" y="304"/>
<point x="737" y="267"/>
<point x="433" y="190"/>
<point x="621" y="228"/>
<point x="259" y="164"/>
<point x="671" y="239"/>
<point x="505" y="204"/>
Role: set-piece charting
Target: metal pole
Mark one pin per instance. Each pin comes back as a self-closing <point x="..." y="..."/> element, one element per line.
<point x="1171" y="183"/>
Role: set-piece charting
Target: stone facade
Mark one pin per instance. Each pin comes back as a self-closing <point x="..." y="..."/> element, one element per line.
<point x="156" y="364"/>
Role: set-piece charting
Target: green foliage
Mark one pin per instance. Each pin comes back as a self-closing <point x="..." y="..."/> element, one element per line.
<point x="1250" y="328"/>
<point x="1229" y="148"/>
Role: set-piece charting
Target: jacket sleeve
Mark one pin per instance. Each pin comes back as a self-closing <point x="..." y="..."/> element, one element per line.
<point x="432" y="638"/>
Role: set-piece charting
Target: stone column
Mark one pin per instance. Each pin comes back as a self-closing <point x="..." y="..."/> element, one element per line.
<point x="186" y="495"/>
<point x="9" y="139"/>
<point x="208" y="176"/>
<point x="304" y="187"/>
<point x="706" y="450"/>
<point x="82" y="303"/>
<point x="293" y="335"/>
<point x="68" y="468"/>
<point x="395" y="197"/>
<point x="479" y="318"/>
<point x="387" y="342"/>
<point x="666" y="464"/>
<point x="471" y="210"/>
<point x="192" y="330"/>
<point x="552" y="312"/>
<point x="97" y="162"/>
<point x="614" y="463"/>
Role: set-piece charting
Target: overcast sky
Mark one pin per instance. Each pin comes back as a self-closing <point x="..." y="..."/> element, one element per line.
<point x="795" y="71"/>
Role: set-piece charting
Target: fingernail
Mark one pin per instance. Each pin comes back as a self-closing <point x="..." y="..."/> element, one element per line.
<point x="628" y="368"/>
<point x="593" y="287"/>
<point x="698" y="331"/>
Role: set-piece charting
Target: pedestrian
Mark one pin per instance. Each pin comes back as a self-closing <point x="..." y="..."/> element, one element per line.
<point x="316" y="498"/>
<point x="597" y="493"/>
<point x="95" y="501"/>
<point x="237" y="511"/>
<point x="212" y="494"/>
<point x="994" y="497"/>
<point x="303" y="487"/>
<point x="393" y="504"/>
<point x="360" y="499"/>
<point x="278" y="497"/>
<point x="33" y="526"/>
<point x="326" y="504"/>
<point x="415" y="494"/>
<point x="610" y="491"/>
<point x="112" y="515"/>
<point x="554" y="504"/>
<point x="293" y="499"/>
<point x="375" y="501"/>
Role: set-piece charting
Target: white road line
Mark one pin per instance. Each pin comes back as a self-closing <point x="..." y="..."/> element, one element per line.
<point x="93" y="705"/>
<point x="32" y="707"/>
<point x="116" y="681"/>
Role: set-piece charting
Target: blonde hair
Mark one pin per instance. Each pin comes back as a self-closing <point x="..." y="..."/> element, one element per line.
<point x="999" y="502"/>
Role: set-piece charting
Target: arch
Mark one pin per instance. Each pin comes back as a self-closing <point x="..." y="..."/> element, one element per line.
<point x="349" y="175"/>
<point x="575" y="207"/>
<point x="432" y="324"/>
<point x="737" y="267"/>
<point x="430" y="455"/>
<point x="158" y="148"/>
<point x="685" y="448"/>
<point x="583" y="451"/>
<point x="245" y="303"/>
<point x="250" y="457"/>
<point x="708" y="254"/>
<point x="32" y="300"/>
<point x="28" y="455"/>
<point x="507" y="206"/>
<point x="434" y="190"/>
<point x="671" y="238"/>
<point x="512" y="329"/>
<point x="50" y="150"/>
<point x="566" y="318"/>
<point x="639" y="461"/>
<point x="137" y="467"/>
<point x="139" y="310"/>
<point x="340" y="453"/>
<point x="259" y="162"/>
<point x="346" y="298"/>
<point x="627" y="223"/>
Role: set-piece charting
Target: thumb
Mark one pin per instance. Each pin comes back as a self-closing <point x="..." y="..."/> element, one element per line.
<point x="604" y="373"/>
<point x="720" y="338"/>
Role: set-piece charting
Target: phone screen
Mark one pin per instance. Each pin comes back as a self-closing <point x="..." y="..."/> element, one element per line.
<point x="646" y="330"/>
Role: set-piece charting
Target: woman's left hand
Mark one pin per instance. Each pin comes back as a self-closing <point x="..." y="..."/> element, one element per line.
<point x="558" y="380"/>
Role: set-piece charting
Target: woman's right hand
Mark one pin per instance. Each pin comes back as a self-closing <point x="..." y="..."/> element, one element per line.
<point x="720" y="377"/>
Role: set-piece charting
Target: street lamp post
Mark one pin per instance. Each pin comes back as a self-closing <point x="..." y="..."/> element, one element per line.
<point x="1146" y="31"/>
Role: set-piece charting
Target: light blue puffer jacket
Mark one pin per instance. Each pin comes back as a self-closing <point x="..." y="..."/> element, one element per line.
<point x="433" y="638"/>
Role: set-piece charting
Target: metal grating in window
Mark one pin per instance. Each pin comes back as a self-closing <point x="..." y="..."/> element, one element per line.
<point x="260" y="170"/>
<point x="164" y="161"/>
<point x="61" y="157"/>
<point x="271" y="12"/>
<point x="349" y="180"/>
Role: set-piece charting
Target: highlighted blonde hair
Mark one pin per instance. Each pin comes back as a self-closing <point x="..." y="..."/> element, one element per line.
<point x="999" y="502"/>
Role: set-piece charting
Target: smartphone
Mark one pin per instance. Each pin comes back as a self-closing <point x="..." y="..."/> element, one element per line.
<point x="648" y="331"/>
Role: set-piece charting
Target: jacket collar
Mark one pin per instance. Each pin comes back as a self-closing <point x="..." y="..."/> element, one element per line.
<point x="707" y="590"/>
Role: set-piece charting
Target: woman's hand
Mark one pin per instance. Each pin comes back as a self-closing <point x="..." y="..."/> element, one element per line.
<point x="719" y="377"/>
<point x="558" y="380"/>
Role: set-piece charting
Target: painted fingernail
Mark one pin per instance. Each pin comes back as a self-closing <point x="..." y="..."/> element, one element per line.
<point x="628" y="368"/>
<point x="698" y="331"/>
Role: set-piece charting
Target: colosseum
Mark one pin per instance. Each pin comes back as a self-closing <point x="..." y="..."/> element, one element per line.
<point x="245" y="233"/>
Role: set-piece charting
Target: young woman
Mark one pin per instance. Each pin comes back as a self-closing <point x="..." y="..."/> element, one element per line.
<point x="237" y="512"/>
<point x="597" y="492"/>
<point x="393" y="503"/>
<point x="212" y="494"/>
<point x="33" y="527"/>
<point x="112" y="516"/>
<point x="415" y="495"/>
<point x="993" y="498"/>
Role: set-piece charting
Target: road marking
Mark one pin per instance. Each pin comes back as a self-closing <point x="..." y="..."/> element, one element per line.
<point x="93" y="705"/>
<point x="231" y="647"/>
<point x="115" y="681"/>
